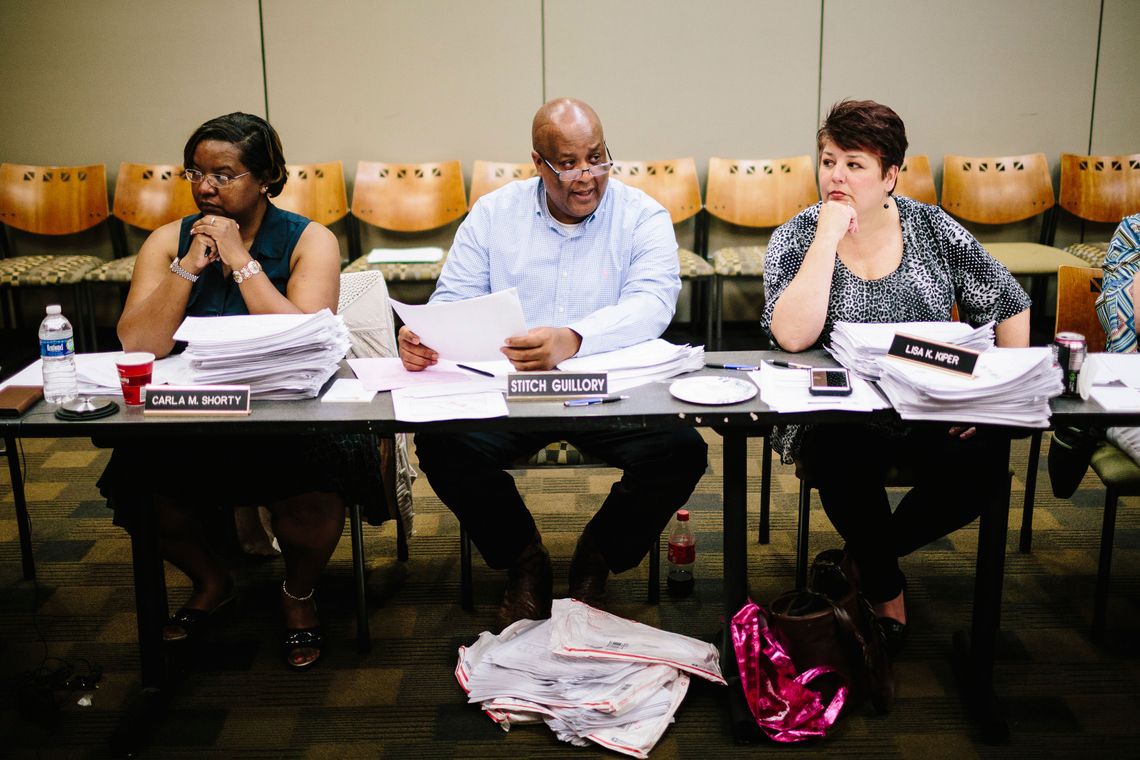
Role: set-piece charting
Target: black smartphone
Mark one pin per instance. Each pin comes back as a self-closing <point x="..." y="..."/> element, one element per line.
<point x="829" y="382"/>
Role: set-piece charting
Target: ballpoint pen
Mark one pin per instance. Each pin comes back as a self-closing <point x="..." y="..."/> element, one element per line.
<point x="592" y="401"/>
<point x="745" y="367"/>
<point x="788" y="365"/>
<point x="482" y="372"/>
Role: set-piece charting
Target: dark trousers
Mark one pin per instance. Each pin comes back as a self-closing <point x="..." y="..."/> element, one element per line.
<point x="660" y="471"/>
<point x="953" y="480"/>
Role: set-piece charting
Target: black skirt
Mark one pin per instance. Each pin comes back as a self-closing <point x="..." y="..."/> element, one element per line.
<point x="225" y="472"/>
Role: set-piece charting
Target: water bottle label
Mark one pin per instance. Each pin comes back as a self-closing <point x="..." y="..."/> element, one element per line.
<point x="57" y="347"/>
<point x="682" y="554"/>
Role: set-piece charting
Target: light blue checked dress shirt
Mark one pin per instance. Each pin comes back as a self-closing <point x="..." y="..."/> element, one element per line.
<point x="614" y="279"/>
<point x="1114" y="304"/>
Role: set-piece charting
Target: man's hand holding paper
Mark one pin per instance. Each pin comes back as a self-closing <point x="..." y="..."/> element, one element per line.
<point x="471" y="330"/>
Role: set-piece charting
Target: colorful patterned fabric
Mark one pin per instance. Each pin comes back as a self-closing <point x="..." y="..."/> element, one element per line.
<point x="1114" y="305"/>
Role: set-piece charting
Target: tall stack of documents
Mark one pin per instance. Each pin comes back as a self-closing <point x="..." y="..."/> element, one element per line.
<point x="590" y="676"/>
<point x="279" y="356"/>
<point x="639" y="364"/>
<point x="858" y="346"/>
<point x="1010" y="386"/>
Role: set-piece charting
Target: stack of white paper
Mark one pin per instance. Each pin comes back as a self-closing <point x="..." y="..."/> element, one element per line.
<point x="280" y="356"/>
<point x="858" y="346"/>
<point x="640" y="364"/>
<point x="1010" y="386"/>
<point x="589" y="675"/>
<point x="1112" y="380"/>
<point x="786" y="391"/>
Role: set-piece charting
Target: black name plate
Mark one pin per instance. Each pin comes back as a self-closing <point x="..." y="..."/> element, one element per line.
<point x="938" y="355"/>
<point x="196" y="399"/>
<point x="556" y="385"/>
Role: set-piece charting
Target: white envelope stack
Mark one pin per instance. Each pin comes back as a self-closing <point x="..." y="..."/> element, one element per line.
<point x="280" y="356"/>
<point x="858" y="346"/>
<point x="1010" y="386"/>
<point x="589" y="675"/>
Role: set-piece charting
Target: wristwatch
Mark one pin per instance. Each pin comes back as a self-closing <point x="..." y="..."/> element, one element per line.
<point x="249" y="270"/>
<point x="176" y="267"/>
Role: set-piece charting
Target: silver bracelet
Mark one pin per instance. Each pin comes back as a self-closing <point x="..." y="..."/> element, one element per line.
<point x="176" y="267"/>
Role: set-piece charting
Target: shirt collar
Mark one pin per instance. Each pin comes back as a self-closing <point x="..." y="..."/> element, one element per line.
<point x="541" y="208"/>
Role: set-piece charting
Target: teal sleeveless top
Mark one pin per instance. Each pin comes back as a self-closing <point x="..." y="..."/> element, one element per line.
<point x="214" y="295"/>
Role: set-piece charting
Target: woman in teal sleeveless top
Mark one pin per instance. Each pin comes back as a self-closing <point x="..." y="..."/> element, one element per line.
<point x="240" y="255"/>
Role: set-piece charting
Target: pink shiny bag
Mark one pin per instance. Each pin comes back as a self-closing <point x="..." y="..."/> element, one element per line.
<point x="779" y="698"/>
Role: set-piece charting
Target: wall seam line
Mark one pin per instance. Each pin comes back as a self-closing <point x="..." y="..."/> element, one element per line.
<point x="264" y="68"/>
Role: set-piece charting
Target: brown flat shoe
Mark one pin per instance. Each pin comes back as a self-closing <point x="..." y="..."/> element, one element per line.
<point x="530" y="586"/>
<point x="588" y="572"/>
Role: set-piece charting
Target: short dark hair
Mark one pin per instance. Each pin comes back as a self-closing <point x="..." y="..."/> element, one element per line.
<point x="257" y="142"/>
<point x="865" y="125"/>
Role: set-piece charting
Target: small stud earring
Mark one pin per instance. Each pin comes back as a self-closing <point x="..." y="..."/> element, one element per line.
<point x="887" y="203"/>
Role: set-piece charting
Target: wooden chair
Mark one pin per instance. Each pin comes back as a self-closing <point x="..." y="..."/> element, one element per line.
<point x="674" y="184"/>
<point x="52" y="201"/>
<point x="316" y="191"/>
<point x="363" y="304"/>
<point x="1003" y="190"/>
<point x="756" y="194"/>
<point x="147" y="196"/>
<point x="1102" y="189"/>
<point x="491" y="175"/>
<point x="407" y="198"/>
<point x="916" y="180"/>
<point x="1077" y="291"/>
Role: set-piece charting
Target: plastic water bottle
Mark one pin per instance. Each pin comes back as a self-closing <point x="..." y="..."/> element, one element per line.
<point x="57" y="350"/>
<point x="682" y="556"/>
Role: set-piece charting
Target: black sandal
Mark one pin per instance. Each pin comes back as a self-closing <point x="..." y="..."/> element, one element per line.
<point x="302" y="638"/>
<point x="194" y="622"/>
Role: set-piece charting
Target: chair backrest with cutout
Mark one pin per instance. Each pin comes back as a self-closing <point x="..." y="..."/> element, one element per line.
<point x="53" y="200"/>
<point x="1100" y="188"/>
<point x="148" y="196"/>
<point x="760" y="193"/>
<point x="916" y="180"/>
<point x="409" y="197"/>
<point x="996" y="189"/>
<point x="1077" y="291"/>
<point x="315" y="191"/>
<point x="491" y="175"/>
<point x="673" y="184"/>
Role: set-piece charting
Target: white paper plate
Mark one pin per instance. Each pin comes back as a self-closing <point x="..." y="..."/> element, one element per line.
<point x="713" y="390"/>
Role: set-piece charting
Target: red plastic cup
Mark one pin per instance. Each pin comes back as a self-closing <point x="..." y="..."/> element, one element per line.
<point x="136" y="369"/>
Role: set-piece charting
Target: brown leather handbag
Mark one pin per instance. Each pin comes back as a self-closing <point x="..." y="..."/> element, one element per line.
<point x="831" y="624"/>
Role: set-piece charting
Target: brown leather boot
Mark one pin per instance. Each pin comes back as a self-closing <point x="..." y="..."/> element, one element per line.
<point x="588" y="572"/>
<point x="530" y="586"/>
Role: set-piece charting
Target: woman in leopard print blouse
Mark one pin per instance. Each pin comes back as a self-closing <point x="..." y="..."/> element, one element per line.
<point x="863" y="255"/>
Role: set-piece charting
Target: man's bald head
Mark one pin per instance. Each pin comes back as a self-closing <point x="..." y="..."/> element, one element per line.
<point x="559" y="116"/>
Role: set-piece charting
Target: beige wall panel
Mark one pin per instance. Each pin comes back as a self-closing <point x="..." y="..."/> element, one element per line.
<point x="122" y="80"/>
<point x="1116" y="123"/>
<point x="404" y="81"/>
<point x="733" y="78"/>
<point x="972" y="77"/>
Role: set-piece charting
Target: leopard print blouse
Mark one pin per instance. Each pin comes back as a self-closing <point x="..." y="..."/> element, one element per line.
<point x="942" y="264"/>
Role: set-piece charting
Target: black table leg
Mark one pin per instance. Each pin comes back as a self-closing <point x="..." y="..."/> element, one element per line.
<point x="23" y="521"/>
<point x="735" y="512"/>
<point x="151" y="612"/>
<point x="975" y="656"/>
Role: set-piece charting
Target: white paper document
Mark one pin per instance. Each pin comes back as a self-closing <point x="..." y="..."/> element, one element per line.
<point x="98" y="376"/>
<point x="859" y="346"/>
<point x="642" y="363"/>
<point x="465" y="331"/>
<point x="410" y="406"/>
<point x="786" y="390"/>
<point x="426" y="255"/>
<point x="386" y="373"/>
<point x="589" y="675"/>
<point x="348" y="390"/>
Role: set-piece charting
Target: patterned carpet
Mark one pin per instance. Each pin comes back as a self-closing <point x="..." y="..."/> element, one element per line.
<point x="1065" y="696"/>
